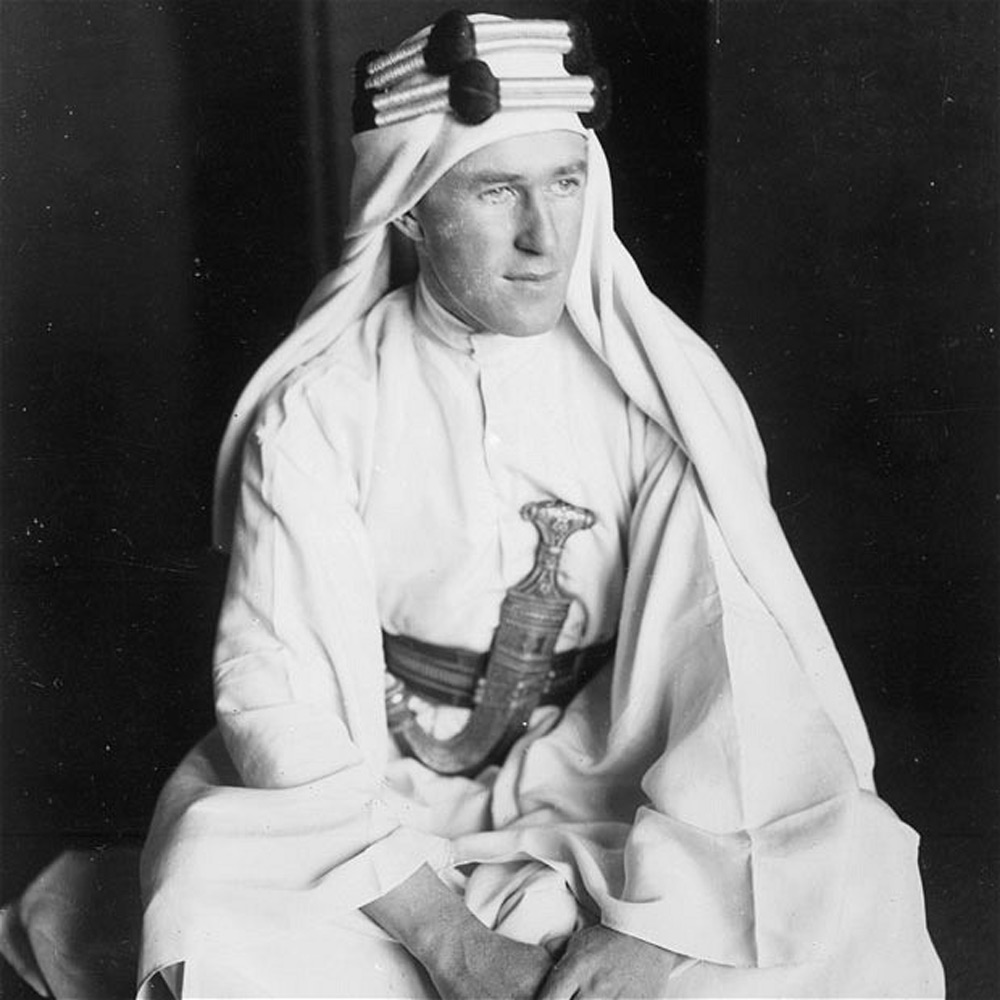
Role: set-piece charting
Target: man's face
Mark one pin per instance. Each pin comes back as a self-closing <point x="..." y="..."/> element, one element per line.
<point x="497" y="235"/>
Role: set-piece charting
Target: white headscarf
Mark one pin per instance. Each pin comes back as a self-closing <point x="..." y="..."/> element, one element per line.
<point x="663" y="366"/>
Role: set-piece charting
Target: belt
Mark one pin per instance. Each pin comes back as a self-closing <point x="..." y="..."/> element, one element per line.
<point x="451" y="676"/>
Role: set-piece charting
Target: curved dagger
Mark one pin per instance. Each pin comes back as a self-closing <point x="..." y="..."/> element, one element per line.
<point x="531" y="617"/>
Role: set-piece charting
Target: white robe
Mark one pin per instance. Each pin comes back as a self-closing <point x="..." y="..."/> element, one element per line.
<point x="701" y="796"/>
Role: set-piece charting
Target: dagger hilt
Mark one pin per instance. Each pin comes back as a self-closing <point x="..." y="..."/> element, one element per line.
<point x="555" y="521"/>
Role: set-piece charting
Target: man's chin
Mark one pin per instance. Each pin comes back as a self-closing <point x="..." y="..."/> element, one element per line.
<point x="532" y="323"/>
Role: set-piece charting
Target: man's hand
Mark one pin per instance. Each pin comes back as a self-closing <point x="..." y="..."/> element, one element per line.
<point x="465" y="960"/>
<point x="600" y="963"/>
<point x="482" y="964"/>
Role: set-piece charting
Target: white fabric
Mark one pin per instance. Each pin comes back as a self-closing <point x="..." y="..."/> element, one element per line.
<point x="714" y="795"/>
<point x="75" y="930"/>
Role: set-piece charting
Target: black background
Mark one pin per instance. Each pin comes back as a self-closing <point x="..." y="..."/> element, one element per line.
<point x="811" y="183"/>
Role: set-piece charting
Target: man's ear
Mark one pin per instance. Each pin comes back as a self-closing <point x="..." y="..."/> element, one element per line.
<point x="409" y="225"/>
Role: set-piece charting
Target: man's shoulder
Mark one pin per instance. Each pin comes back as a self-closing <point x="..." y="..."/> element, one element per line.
<point x="359" y="345"/>
<point x="342" y="377"/>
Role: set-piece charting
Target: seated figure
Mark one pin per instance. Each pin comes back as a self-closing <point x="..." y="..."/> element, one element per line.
<point x="519" y="689"/>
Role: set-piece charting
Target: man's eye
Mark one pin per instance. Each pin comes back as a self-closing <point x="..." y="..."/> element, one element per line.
<point x="498" y="195"/>
<point x="567" y="185"/>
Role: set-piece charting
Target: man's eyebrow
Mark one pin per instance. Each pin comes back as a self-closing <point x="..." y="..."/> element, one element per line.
<point x="489" y="177"/>
<point x="576" y="167"/>
<point x="494" y="177"/>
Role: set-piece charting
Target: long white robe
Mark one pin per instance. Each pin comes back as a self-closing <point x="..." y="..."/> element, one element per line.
<point x="700" y="796"/>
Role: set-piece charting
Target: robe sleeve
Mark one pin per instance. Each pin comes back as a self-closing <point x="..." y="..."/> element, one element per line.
<point x="298" y="672"/>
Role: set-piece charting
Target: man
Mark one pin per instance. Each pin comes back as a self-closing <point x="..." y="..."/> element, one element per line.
<point x="657" y="781"/>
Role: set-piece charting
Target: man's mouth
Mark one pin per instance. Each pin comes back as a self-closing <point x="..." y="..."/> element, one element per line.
<point x="532" y="277"/>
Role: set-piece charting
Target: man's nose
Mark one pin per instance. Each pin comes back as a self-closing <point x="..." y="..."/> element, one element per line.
<point x="536" y="232"/>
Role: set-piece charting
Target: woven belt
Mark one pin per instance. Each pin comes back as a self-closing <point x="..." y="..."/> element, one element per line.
<point x="450" y="676"/>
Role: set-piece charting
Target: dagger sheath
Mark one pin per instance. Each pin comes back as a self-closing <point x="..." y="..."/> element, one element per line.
<point x="532" y="615"/>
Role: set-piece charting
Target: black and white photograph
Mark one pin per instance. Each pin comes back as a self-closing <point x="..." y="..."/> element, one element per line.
<point x="499" y="500"/>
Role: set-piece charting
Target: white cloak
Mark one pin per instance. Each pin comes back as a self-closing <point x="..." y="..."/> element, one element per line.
<point x="705" y="795"/>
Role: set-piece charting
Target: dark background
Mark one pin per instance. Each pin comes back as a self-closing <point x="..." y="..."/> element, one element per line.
<point x="811" y="183"/>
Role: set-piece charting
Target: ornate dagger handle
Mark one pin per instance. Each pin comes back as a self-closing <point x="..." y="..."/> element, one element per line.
<point x="555" y="521"/>
<point x="531" y="617"/>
